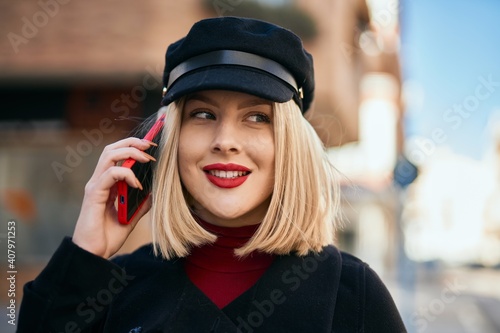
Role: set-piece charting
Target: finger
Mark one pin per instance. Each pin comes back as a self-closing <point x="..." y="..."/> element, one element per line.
<point x="131" y="142"/>
<point x="113" y="157"/>
<point x="100" y="188"/>
<point x="121" y="154"/>
<point x="116" y="174"/>
<point x="140" y="144"/>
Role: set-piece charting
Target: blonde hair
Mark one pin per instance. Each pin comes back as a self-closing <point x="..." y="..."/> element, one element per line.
<point x="304" y="207"/>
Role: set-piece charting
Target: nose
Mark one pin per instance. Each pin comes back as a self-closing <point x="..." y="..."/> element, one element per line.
<point x="226" y="139"/>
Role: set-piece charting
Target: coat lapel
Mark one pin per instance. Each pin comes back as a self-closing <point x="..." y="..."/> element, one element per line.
<point x="296" y="294"/>
<point x="197" y="313"/>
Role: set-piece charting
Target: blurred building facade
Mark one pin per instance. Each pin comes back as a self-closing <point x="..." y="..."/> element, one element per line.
<point x="452" y="214"/>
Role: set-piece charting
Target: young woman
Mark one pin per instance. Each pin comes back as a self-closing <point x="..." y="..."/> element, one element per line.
<point x="244" y="206"/>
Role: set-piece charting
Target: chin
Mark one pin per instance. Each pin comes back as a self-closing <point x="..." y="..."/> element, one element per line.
<point x="228" y="216"/>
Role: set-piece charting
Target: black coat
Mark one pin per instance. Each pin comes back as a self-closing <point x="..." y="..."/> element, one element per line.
<point x="80" y="292"/>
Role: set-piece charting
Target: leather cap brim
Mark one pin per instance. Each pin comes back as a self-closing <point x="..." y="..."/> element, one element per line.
<point x="234" y="78"/>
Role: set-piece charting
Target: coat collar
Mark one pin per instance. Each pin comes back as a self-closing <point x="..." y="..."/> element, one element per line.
<point x="296" y="294"/>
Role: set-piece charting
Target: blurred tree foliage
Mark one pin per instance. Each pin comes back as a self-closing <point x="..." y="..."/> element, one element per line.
<point x="287" y="15"/>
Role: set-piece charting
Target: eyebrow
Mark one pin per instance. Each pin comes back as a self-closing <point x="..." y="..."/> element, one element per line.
<point x="256" y="101"/>
<point x="201" y="98"/>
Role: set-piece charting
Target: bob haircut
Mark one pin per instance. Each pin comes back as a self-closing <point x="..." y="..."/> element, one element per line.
<point x="304" y="207"/>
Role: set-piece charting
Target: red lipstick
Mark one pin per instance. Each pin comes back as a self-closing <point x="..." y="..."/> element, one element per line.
<point x="226" y="175"/>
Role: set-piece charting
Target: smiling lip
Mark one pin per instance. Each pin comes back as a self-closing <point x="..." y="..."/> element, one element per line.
<point x="234" y="181"/>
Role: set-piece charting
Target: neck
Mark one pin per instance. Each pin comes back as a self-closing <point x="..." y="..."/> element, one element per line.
<point x="218" y="272"/>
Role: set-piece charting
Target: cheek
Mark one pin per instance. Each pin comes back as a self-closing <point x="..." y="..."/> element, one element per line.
<point x="262" y="147"/>
<point x="269" y="153"/>
<point x="193" y="145"/>
<point x="261" y="150"/>
<point x="186" y="153"/>
<point x="187" y="170"/>
<point x="268" y="157"/>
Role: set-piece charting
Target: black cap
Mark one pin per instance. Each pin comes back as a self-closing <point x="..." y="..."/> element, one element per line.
<point x="240" y="54"/>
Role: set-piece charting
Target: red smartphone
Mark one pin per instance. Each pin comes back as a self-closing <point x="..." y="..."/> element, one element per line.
<point x="131" y="199"/>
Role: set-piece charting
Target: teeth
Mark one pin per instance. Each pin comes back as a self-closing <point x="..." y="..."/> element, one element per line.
<point x="227" y="174"/>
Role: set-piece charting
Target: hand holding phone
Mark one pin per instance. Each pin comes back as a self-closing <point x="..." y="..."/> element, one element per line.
<point x="130" y="199"/>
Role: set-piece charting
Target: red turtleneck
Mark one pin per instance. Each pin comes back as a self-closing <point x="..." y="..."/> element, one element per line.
<point x="217" y="272"/>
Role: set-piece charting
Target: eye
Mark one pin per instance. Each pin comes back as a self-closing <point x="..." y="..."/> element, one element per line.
<point x="202" y="114"/>
<point x="260" y="118"/>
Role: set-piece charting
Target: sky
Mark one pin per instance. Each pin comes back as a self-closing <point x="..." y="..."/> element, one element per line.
<point x="450" y="53"/>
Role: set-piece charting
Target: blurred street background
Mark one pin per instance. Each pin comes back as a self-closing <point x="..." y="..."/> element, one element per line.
<point x="407" y="104"/>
